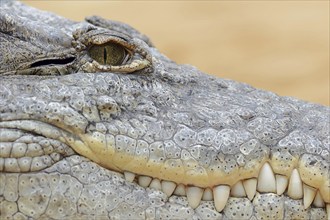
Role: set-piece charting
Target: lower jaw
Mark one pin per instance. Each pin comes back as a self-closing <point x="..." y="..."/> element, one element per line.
<point x="263" y="206"/>
<point x="93" y="191"/>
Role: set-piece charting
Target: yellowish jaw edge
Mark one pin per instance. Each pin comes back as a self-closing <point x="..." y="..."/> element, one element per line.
<point x="187" y="178"/>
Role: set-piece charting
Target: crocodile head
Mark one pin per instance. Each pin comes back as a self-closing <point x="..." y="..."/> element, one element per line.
<point x="96" y="122"/>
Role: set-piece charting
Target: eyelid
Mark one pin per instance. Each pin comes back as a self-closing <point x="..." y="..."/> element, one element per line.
<point x="133" y="66"/>
<point x="104" y="39"/>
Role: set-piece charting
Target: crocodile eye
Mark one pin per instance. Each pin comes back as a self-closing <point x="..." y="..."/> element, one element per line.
<point x="112" y="54"/>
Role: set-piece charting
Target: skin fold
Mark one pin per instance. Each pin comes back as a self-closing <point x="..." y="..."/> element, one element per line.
<point x="72" y="127"/>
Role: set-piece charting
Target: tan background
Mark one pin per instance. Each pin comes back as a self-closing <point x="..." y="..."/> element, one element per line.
<point x="281" y="46"/>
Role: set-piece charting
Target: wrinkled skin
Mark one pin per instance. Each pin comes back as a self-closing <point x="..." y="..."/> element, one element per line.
<point x="70" y="128"/>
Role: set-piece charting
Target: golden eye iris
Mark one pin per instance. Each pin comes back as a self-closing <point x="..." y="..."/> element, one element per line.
<point x="108" y="54"/>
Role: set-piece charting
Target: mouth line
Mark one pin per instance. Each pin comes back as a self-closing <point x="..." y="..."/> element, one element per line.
<point x="266" y="182"/>
<point x="302" y="182"/>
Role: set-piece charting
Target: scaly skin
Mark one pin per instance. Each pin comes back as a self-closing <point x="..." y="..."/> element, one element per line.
<point x="70" y="128"/>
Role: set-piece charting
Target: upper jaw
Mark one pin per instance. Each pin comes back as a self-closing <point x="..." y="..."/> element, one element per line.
<point x="191" y="129"/>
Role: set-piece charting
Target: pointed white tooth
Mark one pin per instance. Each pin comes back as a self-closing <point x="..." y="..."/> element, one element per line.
<point x="220" y="195"/>
<point x="328" y="211"/>
<point x="295" y="188"/>
<point x="194" y="196"/>
<point x="207" y="195"/>
<point x="318" y="201"/>
<point x="155" y="184"/>
<point x="250" y="186"/>
<point x="180" y="190"/>
<point x="281" y="184"/>
<point x="168" y="187"/>
<point x="144" y="181"/>
<point x="129" y="176"/>
<point x="266" y="179"/>
<point x="309" y="195"/>
<point x="238" y="190"/>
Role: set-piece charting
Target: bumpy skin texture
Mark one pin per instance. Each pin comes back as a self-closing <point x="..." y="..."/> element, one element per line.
<point x="63" y="125"/>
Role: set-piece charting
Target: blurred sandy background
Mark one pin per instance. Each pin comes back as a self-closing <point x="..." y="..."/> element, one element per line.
<point x="281" y="46"/>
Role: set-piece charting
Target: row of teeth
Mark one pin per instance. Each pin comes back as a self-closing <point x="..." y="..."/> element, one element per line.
<point x="266" y="182"/>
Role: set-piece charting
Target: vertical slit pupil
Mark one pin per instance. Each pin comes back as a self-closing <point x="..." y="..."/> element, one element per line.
<point x="105" y="55"/>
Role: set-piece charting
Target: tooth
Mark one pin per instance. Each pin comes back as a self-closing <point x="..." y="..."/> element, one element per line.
<point x="144" y="181"/>
<point x="220" y="195"/>
<point x="266" y="179"/>
<point x="328" y="211"/>
<point x="309" y="195"/>
<point x="250" y="186"/>
<point x="155" y="184"/>
<point x="194" y="196"/>
<point x="237" y="190"/>
<point x="180" y="190"/>
<point x="318" y="201"/>
<point x="295" y="189"/>
<point x="129" y="176"/>
<point x="281" y="184"/>
<point x="168" y="187"/>
<point x="207" y="195"/>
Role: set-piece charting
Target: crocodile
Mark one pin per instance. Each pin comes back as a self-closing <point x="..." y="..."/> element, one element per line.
<point x="96" y="123"/>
